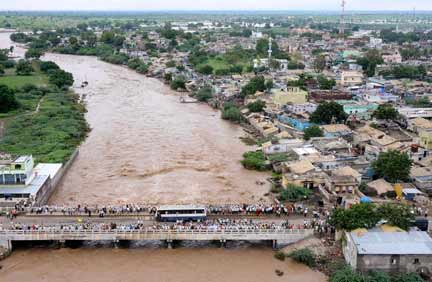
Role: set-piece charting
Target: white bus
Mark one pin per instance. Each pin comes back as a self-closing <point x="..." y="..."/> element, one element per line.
<point x="173" y="213"/>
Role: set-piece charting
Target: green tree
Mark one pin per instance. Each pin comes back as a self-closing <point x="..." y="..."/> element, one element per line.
<point x="2" y="70"/>
<point x="118" y="41"/>
<point x="386" y="111"/>
<point x="24" y="67"/>
<point x="319" y="63"/>
<point x="205" y="69"/>
<point x="257" y="106"/>
<point x="393" y="165"/>
<point x="269" y="84"/>
<point x="358" y="216"/>
<point x="46" y="66"/>
<point x="262" y="47"/>
<point x="60" y="78"/>
<point x="8" y="100"/>
<point x="254" y="161"/>
<point x="107" y="37"/>
<point x="204" y="94"/>
<point x="325" y="83"/>
<point x="232" y="113"/>
<point x="313" y="131"/>
<point x="73" y="40"/>
<point x="179" y="82"/>
<point x="294" y="193"/>
<point x="328" y="112"/>
<point x="4" y="54"/>
<point x="397" y="215"/>
<point x="370" y="61"/>
<point x="257" y="83"/>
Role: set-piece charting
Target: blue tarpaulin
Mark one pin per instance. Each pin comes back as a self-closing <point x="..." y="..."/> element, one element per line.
<point x="365" y="199"/>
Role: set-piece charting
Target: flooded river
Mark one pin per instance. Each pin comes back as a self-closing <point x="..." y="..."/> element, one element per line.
<point x="147" y="147"/>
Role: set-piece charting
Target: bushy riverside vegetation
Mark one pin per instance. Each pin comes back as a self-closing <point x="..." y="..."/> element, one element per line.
<point x="44" y="121"/>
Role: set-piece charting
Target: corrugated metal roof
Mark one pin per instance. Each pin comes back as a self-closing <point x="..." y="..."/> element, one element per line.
<point x="393" y="243"/>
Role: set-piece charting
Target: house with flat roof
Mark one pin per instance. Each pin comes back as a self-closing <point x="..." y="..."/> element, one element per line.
<point x="392" y="251"/>
<point x="351" y="78"/>
<point x="25" y="183"/>
<point x="16" y="171"/>
<point x="290" y="95"/>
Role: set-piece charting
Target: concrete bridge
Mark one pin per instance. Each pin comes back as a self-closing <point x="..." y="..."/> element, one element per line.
<point x="285" y="236"/>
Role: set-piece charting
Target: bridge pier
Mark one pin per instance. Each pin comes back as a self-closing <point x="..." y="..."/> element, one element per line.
<point x="5" y="247"/>
<point x="222" y="243"/>
<point x="116" y="244"/>
<point x="169" y="244"/>
<point x="274" y="244"/>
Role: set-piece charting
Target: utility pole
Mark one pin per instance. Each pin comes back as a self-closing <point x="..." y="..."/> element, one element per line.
<point x="342" y="20"/>
<point x="270" y="51"/>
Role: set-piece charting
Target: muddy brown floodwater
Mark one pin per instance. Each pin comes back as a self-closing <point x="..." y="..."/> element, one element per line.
<point x="147" y="147"/>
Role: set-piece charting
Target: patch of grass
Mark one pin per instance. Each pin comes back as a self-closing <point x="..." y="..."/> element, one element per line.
<point x="51" y="134"/>
<point x="17" y="81"/>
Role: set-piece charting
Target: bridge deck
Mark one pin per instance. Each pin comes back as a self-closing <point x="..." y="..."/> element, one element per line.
<point x="288" y="235"/>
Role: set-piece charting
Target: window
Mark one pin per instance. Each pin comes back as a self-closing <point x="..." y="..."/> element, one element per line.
<point x="416" y="261"/>
<point x="393" y="261"/>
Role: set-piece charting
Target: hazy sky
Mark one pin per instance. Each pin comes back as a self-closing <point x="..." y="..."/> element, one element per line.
<point x="213" y="4"/>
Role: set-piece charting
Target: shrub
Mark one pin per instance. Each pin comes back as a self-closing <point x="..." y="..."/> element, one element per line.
<point x="46" y="66"/>
<point x="205" y="69"/>
<point x="232" y="113"/>
<point x="143" y="68"/>
<point x="279" y="255"/>
<point x="312" y="131"/>
<point x="179" y="82"/>
<point x="305" y="256"/>
<point x="60" y="78"/>
<point x="257" y="106"/>
<point x="254" y="161"/>
<point x="24" y="68"/>
<point x="204" y="94"/>
<point x="294" y="193"/>
<point x="8" y="100"/>
<point x="8" y="64"/>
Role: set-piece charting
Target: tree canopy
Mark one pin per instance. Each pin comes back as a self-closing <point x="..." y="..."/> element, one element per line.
<point x="367" y="215"/>
<point x="24" y="67"/>
<point x="386" y="111"/>
<point x="313" y="131"/>
<point x="328" y="112"/>
<point x="393" y="165"/>
<point x="319" y="63"/>
<point x="257" y="83"/>
<point x="61" y="78"/>
<point x="257" y="106"/>
<point x="8" y="101"/>
<point x="370" y="61"/>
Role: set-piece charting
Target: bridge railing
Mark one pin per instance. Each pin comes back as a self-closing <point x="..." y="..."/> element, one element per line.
<point x="146" y="231"/>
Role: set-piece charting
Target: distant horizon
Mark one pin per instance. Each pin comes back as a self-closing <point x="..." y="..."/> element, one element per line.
<point x="214" y="5"/>
<point x="214" y="10"/>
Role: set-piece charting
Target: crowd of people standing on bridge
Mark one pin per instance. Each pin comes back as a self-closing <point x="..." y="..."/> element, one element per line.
<point x="216" y="225"/>
<point x="137" y="209"/>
